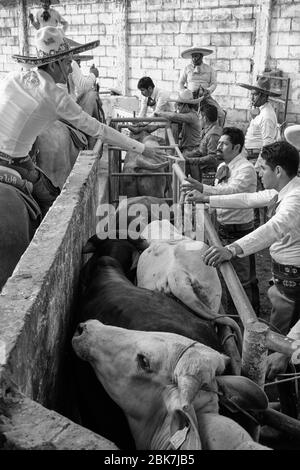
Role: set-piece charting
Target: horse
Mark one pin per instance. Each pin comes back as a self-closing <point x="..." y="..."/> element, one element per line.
<point x="55" y="151"/>
<point x="17" y="228"/>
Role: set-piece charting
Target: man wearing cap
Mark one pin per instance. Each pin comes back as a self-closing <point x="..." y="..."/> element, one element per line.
<point x="235" y="175"/>
<point x="279" y="166"/>
<point x="48" y="17"/>
<point x="200" y="78"/>
<point x="186" y="106"/>
<point x="30" y="101"/>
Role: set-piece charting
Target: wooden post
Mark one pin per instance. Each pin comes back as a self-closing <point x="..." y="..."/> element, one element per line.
<point x="23" y="27"/>
<point x="255" y="352"/>
<point x="122" y="46"/>
<point x="263" y="16"/>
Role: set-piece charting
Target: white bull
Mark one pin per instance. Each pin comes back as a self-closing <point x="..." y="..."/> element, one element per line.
<point x="173" y="264"/>
<point x="166" y="385"/>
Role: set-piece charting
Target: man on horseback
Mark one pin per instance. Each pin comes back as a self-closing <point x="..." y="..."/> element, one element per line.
<point x="30" y="101"/>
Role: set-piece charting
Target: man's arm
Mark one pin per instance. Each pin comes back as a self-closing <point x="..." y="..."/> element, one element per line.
<point x="244" y="178"/>
<point x="161" y="102"/>
<point x="242" y="200"/>
<point x="143" y="110"/>
<point x="83" y="83"/>
<point x="182" y="79"/>
<point x="177" y="117"/>
<point x="213" y="82"/>
<point x="34" y="22"/>
<point x="268" y="131"/>
<point x="62" y="21"/>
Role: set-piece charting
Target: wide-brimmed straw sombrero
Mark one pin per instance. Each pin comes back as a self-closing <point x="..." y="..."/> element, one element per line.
<point x="263" y="85"/>
<point x="292" y="135"/>
<point x="52" y="45"/>
<point x="195" y="50"/>
<point x="186" y="97"/>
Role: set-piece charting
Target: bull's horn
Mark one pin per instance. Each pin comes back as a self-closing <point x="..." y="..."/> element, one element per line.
<point x="243" y="392"/>
<point x="142" y="162"/>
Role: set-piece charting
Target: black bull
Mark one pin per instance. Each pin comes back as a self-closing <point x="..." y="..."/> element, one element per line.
<point x="109" y="296"/>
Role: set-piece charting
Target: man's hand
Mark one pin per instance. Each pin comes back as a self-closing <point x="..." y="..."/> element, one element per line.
<point x="276" y="364"/>
<point x="190" y="183"/>
<point x="94" y="70"/>
<point x="214" y="256"/>
<point x="153" y="152"/>
<point x="195" y="196"/>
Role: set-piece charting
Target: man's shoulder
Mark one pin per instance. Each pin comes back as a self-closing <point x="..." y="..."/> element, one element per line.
<point x="215" y="130"/>
<point x="207" y="67"/>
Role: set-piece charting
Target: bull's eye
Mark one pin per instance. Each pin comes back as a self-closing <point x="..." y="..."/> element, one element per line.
<point x="143" y="362"/>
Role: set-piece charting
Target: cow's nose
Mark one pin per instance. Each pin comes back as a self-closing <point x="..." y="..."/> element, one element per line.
<point x="80" y="329"/>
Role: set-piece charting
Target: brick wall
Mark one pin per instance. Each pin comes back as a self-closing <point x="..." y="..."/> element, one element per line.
<point x="158" y="30"/>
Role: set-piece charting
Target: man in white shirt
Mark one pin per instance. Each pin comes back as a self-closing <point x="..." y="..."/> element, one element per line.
<point x="153" y="97"/>
<point x="30" y="101"/>
<point x="47" y="16"/>
<point x="235" y="175"/>
<point x="263" y="129"/>
<point x="280" y="162"/>
<point x="200" y="78"/>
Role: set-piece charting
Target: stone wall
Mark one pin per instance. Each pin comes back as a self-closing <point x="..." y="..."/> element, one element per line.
<point x="246" y="36"/>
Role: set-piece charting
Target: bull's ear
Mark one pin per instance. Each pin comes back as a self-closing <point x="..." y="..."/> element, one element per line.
<point x="184" y="433"/>
<point x="242" y="391"/>
<point x="91" y="245"/>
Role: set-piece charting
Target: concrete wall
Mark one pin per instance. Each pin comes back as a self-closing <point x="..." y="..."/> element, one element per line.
<point x="36" y="302"/>
<point x="246" y="35"/>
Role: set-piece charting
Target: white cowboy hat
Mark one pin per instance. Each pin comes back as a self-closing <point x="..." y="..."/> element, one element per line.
<point x="292" y="135"/>
<point x="52" y="45"/>
<point x="185" y="96"/>
<point x="263" y="85"/>
<point x="195" y="50"/>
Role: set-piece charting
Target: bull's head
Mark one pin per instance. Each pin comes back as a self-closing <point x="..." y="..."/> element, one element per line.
<point x="154" y="379"/>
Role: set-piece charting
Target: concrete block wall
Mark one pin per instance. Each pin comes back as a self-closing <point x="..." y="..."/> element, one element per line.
<point x="285" y="50"/>
<point x="159" y="30"/>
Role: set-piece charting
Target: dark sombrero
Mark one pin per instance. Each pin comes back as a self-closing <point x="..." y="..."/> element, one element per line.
<point x="263" y="85"/>
<point x="52" y="45"/>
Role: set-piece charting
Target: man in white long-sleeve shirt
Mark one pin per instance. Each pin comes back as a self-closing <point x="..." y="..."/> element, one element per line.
<point x="263" y="128"/>
<point x="31" y="100"/>
<point x="153" y="97"/>
<point x="235" y="175"/>
<point x="280" y="162"/>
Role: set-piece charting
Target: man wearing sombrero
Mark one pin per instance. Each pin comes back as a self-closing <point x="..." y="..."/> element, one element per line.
<point x="30" y="101"/>
<point x="189" y="138"/>
<point x="200" y="78"/>
<point x="263" y="128"/>
<point x="47" y="16"/>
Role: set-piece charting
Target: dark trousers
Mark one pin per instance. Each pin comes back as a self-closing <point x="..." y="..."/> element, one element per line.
<point x="44" y="192"/>
<point x="245" y="267"/>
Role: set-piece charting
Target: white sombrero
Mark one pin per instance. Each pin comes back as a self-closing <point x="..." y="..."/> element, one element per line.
<point x="52" y="45"/>
<point x="195" y="50"/>
<point x="186" y="97"/>
<point x="292" y="135"/>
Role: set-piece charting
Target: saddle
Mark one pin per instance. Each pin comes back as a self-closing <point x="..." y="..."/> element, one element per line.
<point x="79" y="138"/>
<point x="24" y="190"/>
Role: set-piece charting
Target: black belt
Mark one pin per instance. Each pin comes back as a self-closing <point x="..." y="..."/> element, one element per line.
<point x="237" y="227"/>
<point x="286" y="271"/>
<point x="12" y="160"/>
